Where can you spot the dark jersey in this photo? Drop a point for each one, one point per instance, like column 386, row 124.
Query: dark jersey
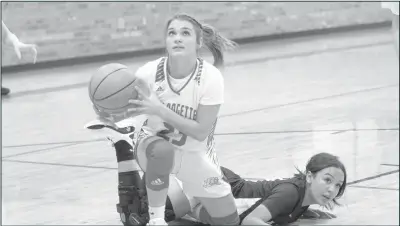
column 283, row 198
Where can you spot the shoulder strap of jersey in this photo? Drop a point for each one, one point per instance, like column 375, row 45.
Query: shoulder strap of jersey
column 199, row 71
column 160, row 75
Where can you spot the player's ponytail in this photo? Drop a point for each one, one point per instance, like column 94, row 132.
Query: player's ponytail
column 216, row 43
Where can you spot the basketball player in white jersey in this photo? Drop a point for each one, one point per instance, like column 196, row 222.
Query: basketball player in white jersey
column 182, row 103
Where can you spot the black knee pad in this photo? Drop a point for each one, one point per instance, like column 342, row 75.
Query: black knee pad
column 132, row 205
column 124, row 151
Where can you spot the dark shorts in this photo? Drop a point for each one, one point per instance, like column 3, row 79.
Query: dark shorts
column 234, row 180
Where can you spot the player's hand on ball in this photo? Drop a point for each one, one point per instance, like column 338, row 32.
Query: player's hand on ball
column 104, row 117
column 147, row 102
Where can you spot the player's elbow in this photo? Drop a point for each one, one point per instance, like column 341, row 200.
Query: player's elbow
column 200, row 135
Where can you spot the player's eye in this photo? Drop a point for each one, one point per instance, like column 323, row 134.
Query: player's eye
column 186, row 33
column 328, row 180
column 170, row 33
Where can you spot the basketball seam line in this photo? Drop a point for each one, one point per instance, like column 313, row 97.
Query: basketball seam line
column 105, row 77
column 113, row 108
column 117, row 91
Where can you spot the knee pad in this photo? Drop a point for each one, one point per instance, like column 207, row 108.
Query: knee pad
column 132, row 205
column 124, row 151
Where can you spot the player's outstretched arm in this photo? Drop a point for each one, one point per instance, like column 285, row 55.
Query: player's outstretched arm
column 242, row 188
column 9, row 37
column 282, row 200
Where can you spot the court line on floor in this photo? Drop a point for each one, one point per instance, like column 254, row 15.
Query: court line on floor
column 387, row 164
column 39, row 150
column 373, row 177
column 228, row 64
column 216, row 134
column 304, row 131
column 309, row 100
column 51, row 143
column 114, row 168
column 298, row 102
column 374, row 188
column 60, row 164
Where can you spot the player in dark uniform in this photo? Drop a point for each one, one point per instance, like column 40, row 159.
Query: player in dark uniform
column 283, row 201
column 279, row 201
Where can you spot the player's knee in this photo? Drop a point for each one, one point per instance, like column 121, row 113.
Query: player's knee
column 160, row 157
column 229, row 219
column 123, row 151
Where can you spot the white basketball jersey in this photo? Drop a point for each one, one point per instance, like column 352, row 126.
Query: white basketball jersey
column 183, row 96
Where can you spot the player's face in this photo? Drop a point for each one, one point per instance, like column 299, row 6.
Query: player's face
column 181, row 39
column 325, row 184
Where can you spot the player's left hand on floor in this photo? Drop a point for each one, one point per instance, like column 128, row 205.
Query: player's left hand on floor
column 317, row 214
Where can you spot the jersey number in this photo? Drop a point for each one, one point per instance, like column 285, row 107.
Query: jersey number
column 171, row 129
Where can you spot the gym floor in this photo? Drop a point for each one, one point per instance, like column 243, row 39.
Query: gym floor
column 285, row 101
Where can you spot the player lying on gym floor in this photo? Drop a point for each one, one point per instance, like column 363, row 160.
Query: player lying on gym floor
column 260, row 202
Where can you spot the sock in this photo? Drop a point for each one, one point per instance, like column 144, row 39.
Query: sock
column 156, row 212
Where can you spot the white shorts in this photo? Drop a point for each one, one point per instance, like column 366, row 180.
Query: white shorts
column 178, row 197
column 199, row 176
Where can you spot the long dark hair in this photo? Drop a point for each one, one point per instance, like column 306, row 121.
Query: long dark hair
column 322, row 161
column 213, row 40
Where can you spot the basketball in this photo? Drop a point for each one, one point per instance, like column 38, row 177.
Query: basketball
column 111, row 87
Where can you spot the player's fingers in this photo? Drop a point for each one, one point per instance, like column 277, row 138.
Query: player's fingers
column 136, row 102
column 17, row 52
column 141, row 93
column 137, row 110
column 95, row 108
column 34, row 50
column 103, row 114
column 331, row 215
column 310, row 214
